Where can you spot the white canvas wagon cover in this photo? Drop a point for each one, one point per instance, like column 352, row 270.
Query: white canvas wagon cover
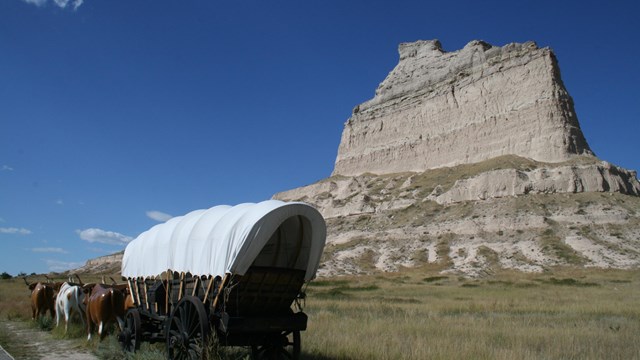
column 229, row 239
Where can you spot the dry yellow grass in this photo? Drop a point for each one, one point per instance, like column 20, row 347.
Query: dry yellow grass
column 584, row 314
column 421, row 314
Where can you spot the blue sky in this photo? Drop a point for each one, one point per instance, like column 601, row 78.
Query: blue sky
column 116, row 114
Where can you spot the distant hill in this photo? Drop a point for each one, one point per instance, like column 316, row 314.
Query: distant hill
column 108, row 264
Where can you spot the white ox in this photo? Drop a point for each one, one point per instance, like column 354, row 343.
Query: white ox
column 70, row 298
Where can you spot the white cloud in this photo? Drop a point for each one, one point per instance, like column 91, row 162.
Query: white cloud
column 6, row 168
column 60, row 3
column 59, row 202
column 12, row 230
column 49, row 250
column 158, row 216
column 36, row 2
column 94, row 235
column 59, row 266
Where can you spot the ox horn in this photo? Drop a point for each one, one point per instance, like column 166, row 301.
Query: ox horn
column 25, row 281
column 102, row 279
column 78, row 277
column 113, row 281
column 48, row 278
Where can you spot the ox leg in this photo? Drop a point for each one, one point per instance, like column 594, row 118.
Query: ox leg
column 58, row 314
column 89, row 325
column 67, row 316
column 101, row 331
column 79, row 311
column 33, row 312
column 120, row 323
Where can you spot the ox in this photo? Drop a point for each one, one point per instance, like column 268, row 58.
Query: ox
column 42, row 298
column 128, row 297
column 104, row 305
column 70, row 299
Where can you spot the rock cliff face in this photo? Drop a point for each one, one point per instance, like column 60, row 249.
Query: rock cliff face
column 601, row 177
column 108, row 264
column 473, row 161
column 440, row 108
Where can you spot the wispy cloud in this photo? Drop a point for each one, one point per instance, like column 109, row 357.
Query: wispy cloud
column 49, row 250
column 58, row 266
column 158, row 215
column 94, row 235
column 6, row 168
column 60, row 3
column 12, row 230
column 59, row 202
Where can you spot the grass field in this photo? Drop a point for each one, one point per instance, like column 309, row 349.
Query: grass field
column 420, row 314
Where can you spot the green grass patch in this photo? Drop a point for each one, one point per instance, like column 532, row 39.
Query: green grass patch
column 567, row 282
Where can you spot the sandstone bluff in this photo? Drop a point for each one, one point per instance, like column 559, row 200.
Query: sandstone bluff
column 440, row 108
column 473, row 161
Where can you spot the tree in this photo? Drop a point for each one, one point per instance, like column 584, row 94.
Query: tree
column 5, row 275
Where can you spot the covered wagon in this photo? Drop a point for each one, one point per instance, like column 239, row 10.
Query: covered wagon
column 229, row 274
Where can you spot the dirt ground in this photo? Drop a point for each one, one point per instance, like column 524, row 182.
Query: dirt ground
column 34, row 344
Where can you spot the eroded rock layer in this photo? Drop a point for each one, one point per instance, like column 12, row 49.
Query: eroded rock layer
column 440, row 108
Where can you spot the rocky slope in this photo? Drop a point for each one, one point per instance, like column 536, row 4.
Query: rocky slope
column 438, row 108
column 477, row 218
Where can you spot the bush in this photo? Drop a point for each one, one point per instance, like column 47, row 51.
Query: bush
column 5, row 276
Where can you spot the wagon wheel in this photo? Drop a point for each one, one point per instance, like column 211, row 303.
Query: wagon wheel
column 131, row 335
column 276, row 347
column 187, row 330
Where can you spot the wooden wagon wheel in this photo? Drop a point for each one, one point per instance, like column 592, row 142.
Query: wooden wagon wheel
column 187, row 330
column 276, row 347
column 131, row 336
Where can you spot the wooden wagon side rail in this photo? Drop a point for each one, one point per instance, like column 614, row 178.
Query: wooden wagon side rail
column 262, row 290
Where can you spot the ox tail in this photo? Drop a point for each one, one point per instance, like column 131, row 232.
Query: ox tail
column 79, row 302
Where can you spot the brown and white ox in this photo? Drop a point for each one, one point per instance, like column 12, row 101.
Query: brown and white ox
column 104, row 305
column 70, row 299
column 43, row 298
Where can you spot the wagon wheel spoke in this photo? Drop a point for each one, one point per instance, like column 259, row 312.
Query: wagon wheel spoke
column 188, row 328
column 131, row 335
